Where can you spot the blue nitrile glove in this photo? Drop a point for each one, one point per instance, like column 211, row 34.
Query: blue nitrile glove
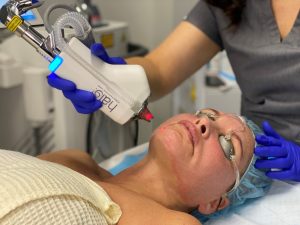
column 278, row 154
column 98, row 50
column 84, row 101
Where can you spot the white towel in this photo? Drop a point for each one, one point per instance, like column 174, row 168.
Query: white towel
column 34, row 191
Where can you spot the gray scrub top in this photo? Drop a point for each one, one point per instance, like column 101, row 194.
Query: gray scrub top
column 266, row 68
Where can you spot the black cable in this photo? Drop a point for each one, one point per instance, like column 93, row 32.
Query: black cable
column 89, row 134
column 133, row 50
column 37, row 138
column 136, row 138
column 89, row 146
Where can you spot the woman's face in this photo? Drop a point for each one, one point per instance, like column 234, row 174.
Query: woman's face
column 188, row 147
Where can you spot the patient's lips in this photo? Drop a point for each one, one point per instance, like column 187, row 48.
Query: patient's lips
column 192, row 131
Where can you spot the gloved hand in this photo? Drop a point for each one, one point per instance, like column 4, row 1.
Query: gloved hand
column 278, row 154
column 84, row 101
column 97, row 49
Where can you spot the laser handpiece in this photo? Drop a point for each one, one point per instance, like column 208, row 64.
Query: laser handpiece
column 123, row 89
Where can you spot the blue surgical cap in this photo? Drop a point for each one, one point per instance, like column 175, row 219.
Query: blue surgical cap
column 254, row 184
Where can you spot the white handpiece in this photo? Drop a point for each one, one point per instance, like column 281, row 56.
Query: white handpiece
column 122, row 89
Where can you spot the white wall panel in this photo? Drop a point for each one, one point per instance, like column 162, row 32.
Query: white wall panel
column 149, row 20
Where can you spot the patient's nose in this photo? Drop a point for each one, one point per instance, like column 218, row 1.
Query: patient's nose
column 204, row 126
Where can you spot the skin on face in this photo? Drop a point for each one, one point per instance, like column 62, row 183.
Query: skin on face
column 189, row 148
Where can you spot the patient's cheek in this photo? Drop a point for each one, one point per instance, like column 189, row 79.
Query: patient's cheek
column 169, row 137
column 170, row 141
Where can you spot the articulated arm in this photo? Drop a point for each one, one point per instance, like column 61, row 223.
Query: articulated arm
column 10, row 16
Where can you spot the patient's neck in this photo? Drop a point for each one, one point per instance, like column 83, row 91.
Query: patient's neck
column 148, row 179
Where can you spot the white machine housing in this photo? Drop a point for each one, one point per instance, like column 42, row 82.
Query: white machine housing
column 113, row 35
column 122, row 89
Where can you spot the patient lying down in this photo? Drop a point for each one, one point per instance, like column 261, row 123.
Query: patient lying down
column 201, row 163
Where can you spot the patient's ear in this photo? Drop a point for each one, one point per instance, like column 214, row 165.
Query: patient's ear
column 213, row 206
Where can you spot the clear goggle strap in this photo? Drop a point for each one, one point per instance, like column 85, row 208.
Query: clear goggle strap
column 237, row 176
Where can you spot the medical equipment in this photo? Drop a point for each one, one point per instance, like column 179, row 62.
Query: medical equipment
column 10, row 69
column 16, row 131
column 30, row 15
column 123, row 89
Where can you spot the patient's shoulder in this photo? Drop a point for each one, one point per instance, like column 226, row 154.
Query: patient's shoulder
column 77, row 160
column 180, row 218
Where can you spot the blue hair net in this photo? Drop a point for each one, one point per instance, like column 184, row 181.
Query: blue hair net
column 254, row 184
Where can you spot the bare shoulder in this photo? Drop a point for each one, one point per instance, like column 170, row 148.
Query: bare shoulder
column 180, row 218
column 77, row 160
